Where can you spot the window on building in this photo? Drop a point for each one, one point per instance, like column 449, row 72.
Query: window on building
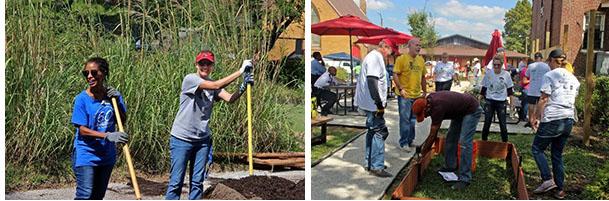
column 299, row 48
column 599, row 30
column 316, row 40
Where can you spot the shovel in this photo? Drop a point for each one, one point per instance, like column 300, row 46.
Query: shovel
column 136, row 187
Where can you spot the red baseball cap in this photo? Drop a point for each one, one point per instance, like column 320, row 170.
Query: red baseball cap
column 394, row 47
column 418, row 108
column 205, row 54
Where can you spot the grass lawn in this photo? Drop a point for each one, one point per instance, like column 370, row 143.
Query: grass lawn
column 490, row 181
column 336, row 137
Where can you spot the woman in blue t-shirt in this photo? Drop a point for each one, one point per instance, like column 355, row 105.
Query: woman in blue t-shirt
column 94, row 151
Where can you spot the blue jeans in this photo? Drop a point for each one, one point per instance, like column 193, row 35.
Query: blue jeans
column 182, row 152
column 407, row 120
column 375, row 141
column 461, row 132
column 92, row 181
column 553, row 133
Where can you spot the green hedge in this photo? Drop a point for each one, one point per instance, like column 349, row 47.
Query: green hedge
column 600, row 102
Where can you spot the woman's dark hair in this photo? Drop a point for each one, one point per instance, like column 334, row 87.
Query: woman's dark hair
column 101, row 63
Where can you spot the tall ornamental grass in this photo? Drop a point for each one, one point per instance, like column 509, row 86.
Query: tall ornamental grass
column 48, row 41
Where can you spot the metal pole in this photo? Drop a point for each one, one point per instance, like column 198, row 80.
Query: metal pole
column 351, row 54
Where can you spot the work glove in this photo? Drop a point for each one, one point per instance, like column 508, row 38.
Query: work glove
column 380, row 110
column 112, row 92
column 117, row 137
column 248, row 78
column 246, row 66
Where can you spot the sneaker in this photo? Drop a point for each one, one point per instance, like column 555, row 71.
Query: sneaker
column 545, row 186
column 380, row 173
column 460, row 185
column 560, row 195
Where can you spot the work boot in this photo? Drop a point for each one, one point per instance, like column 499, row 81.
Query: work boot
column 460, row 185
column 560, row 195
column 380, row 173
column 545, row 186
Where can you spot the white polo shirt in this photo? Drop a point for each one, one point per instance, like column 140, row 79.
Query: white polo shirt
column 325, row 80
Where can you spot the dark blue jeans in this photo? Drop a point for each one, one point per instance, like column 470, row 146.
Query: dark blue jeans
column 375, row 141
column 183, row 152
column 554, row 133
column 92, row 181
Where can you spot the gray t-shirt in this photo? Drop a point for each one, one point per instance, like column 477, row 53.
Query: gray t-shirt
column 373, row 65
column 535, row 74
column 191, row 122
column 562, row 87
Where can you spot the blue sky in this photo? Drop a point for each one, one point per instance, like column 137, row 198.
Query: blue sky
column 475, row 18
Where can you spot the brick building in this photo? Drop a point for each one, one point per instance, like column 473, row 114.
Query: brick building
column 563, row 23
column 322, row 10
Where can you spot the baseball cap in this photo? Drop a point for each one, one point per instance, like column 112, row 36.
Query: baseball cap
column 538, row 55
column 205, row 54
column 394, row 48
column 556, row 53
column 476, row 59
column 418, row 108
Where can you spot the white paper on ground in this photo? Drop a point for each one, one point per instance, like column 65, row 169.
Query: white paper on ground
column 449, row 176
column 422, row 129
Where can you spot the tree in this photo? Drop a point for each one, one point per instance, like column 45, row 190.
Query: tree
column 422, row 27
column 517, row 26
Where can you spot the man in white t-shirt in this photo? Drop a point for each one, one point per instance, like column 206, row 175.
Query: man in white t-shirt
column 476, row 69
column 371, row 98
column 320, row 90
column 535, row 74
column 443, row 74
column 497, row 85
column 554, row 122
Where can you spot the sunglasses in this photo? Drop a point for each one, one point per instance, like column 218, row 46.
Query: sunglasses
column 93, row 73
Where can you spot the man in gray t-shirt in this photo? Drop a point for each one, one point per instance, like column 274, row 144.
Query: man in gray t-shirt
column 190, row 140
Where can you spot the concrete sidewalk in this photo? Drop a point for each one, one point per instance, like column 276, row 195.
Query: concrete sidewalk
column 342, row 175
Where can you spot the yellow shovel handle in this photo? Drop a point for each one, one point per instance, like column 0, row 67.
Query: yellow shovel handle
column 249, row 129
column 136, row 187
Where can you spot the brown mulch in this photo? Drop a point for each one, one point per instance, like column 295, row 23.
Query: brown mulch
column 259, row 187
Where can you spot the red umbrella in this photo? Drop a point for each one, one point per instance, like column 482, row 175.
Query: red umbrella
column 349, row 25
column 492, row 48
column 399, row 38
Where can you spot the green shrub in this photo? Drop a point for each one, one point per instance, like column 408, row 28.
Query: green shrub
column 293, row 72
column 600, row 100
column 599, row 189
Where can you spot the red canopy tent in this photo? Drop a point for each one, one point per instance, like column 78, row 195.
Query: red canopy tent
column 352, row 26
column 496, row 43
column 399, row 38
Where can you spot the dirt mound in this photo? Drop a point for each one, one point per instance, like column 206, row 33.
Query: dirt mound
column 259, row 187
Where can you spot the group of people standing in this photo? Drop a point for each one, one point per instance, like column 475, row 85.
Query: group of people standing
column 550, row 89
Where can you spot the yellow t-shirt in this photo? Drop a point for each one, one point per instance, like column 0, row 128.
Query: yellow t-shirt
column 410, row 70
column 569, row 67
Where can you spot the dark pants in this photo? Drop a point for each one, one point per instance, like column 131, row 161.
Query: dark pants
column 314, row 79
column 92, row 181
column 524, row 107
column 554, row 133
column 444, row 86
column 325, row 95
column 493, row 107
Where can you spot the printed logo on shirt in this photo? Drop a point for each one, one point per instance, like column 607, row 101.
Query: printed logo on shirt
column 103, row 116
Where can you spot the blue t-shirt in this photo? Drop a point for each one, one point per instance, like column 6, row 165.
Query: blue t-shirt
column 97, row 115
column 317, row 68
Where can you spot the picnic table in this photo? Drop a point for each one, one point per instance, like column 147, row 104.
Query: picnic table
column 320, row 121
column 346, row 89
